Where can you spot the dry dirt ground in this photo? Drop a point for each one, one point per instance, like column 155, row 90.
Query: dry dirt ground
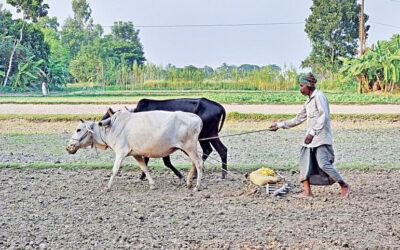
column 61, row 208
column 65, row 208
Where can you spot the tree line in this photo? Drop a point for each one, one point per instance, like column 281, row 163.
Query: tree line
column 36, row 48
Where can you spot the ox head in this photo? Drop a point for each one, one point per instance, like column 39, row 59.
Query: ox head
column 82, row 137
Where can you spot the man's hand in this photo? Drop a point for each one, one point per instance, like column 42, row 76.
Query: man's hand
column 308, row 139
column 273, row 127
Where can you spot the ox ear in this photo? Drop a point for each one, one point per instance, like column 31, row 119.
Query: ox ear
column 90, row 127
column 81, row 120
column 105, row 122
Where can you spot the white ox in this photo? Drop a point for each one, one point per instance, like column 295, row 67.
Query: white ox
column 151, row 134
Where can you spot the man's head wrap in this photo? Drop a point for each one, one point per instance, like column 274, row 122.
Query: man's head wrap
column 308, row 79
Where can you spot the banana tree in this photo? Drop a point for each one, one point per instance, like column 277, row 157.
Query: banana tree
column 390, row 65
column 378, row 68
column 27, row 72
column 358, row 68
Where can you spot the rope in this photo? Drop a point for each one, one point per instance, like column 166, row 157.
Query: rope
column 254, row 131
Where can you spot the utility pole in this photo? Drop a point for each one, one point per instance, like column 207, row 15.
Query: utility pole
column 361, row 31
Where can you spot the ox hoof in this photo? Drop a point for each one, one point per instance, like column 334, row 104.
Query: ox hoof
column 152, row 187
column 138, row 180
column 105, row 190
column 197, row 188
column 180, row 183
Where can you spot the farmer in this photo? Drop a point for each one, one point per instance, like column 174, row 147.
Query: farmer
column 317, row 156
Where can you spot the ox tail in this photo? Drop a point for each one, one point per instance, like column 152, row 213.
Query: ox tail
column 222, row 119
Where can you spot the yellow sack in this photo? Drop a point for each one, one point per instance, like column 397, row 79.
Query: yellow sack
column 263, row 176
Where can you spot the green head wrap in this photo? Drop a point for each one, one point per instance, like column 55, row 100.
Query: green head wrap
column 308, row 79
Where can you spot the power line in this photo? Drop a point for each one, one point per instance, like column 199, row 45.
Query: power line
column 228, row 25
column 212, row 25
column 217, row 25
column 388, row 25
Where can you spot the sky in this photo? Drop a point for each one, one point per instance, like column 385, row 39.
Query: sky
column 280, row 44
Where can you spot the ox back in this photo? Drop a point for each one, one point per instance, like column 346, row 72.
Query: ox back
column 210, row 112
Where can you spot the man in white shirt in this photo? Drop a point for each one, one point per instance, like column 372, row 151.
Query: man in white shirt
column 317, row 155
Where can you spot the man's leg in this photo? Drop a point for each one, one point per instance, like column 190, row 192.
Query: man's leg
column 307, row 190
column 305, row 158
column 325, row 157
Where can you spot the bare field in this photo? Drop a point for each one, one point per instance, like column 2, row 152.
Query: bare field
column 22, row 126
column 44, row 143
column 64, row 208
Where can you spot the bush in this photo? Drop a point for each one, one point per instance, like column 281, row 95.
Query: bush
column 339, row 84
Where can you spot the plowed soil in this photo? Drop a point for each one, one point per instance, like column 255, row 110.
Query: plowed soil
column 65, row 208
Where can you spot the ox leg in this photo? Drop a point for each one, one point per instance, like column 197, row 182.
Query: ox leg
column 223, row 153
column 117, row 165
column 207, row 150
column 190, row 176
column 167, row 162
column 143, row 175
column 146, row 170
column 197, row 164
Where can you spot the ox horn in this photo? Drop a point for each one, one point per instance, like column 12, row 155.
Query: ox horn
column 105, row 122
column 110, row 111
column 126, row 108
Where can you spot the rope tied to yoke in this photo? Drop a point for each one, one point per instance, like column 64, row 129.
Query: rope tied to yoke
column 216, row 137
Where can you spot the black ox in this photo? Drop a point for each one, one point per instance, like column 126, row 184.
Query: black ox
column 211, row 113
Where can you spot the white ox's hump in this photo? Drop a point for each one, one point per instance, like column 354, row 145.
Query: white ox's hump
column 189, row 118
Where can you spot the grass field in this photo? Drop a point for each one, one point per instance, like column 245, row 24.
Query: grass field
column 359, row 144
column 240, row 97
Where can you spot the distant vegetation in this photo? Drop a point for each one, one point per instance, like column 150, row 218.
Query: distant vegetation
column 226, row 77
column 239, row 97
column 79, row 52
column 378, row 69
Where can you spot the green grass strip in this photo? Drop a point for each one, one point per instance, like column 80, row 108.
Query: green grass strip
column 248, row 97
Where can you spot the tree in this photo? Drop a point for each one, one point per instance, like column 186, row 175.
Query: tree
column 32, row 44
column 6, row 21
column 332, row 28
column 48, row 23
column 79, row 30
column 127, row 43
column 27, row 71
column 31, row 10
column 378, row 68
column 33, row 40
column 57, row 67
column 89, row 60
column 6, row 44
